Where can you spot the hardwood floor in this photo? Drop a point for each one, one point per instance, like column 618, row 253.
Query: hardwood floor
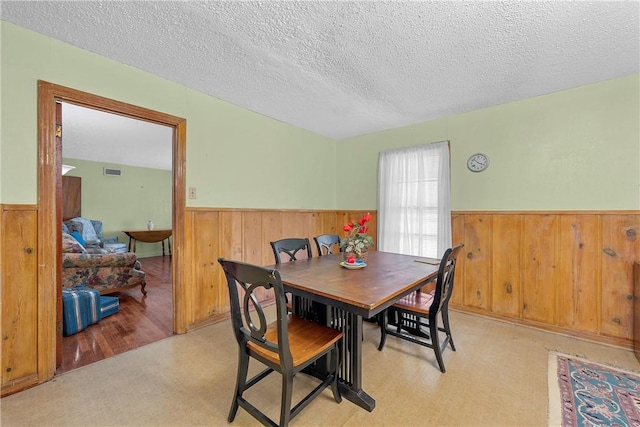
column 140, row 321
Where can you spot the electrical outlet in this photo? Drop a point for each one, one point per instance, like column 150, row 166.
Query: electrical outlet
column 192, row 192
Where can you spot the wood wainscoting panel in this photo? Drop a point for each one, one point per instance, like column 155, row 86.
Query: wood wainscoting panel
column 573, row 269
column 251, row 233
column 505, row 273
column 477, row 266
column 620, row 249
column 323, row 223
column 189, row 270
column 272, row 230
column 579, row 273
column 565, row 271
column 636, row 309
column 231, row 232
column 206, row 253
column 457, row 237
column 296, row 224
column 245, row 235
column 539, row 267
column 19, row 278
column 560, row 282
column 568, row 272
column 231, row 244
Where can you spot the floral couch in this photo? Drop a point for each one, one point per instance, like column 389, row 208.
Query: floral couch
column 89, row 230
column 106, row 272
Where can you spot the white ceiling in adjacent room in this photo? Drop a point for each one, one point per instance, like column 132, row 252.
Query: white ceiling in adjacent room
column 109, row 138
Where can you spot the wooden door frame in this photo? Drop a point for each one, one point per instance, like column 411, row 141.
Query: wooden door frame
column 50, row 214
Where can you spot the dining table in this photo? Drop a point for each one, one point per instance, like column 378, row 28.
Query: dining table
column 327, row 290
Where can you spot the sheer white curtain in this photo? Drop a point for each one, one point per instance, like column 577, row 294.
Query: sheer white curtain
column 414, row 200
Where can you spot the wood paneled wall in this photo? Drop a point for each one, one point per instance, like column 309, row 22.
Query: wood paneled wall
column 569, row 272
column 19, row 292
column 244, row 235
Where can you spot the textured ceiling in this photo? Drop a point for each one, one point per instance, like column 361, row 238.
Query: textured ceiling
column 346, row 68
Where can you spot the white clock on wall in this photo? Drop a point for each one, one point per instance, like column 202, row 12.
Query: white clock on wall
column 478, row 162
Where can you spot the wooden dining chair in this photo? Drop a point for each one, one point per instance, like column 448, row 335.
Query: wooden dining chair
column 291, row 247
column 286, row 250
column 287, row 345
column 326, row 243
column 420, row 310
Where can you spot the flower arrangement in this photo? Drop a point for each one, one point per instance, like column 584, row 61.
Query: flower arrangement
column 357, row 242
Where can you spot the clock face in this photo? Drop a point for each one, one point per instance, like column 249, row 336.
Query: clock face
column 478, row 162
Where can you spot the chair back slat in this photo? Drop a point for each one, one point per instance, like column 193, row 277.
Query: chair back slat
column 291, row 247
column 325, row 243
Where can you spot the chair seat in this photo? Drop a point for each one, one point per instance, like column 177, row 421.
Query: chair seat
column 306, row 340
column 418, row 302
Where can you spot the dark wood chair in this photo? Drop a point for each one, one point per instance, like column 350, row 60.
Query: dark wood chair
column 291, row 247
column 419, row 310
column 287, row 346
column 326, row 243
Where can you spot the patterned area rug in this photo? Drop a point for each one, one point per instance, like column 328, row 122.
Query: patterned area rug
column 583, row 393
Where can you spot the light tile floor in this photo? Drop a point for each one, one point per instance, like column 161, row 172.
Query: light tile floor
column 498, row 377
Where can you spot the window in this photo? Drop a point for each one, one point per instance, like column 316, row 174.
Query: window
column 414, row 200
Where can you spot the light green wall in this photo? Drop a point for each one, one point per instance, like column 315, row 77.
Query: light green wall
column 235, row 157
column 125, row 202
column 577, row 149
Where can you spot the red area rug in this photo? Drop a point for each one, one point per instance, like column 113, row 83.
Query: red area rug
column 584, row 393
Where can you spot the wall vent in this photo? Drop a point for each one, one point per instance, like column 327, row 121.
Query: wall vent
column 112, row 172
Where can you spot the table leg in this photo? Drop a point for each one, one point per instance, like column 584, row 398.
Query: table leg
column 169, row 244
column 350, row 377
column 129, row 249
column 163, row 248
column 350, row 374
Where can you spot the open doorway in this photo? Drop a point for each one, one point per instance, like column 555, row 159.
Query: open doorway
column 117, row 173
column 50, row 211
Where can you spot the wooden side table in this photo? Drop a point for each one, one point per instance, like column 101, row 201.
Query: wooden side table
column 149, row 236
